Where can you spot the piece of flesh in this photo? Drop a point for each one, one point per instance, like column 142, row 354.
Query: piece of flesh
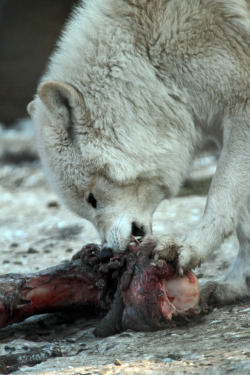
column 157, row 294
column 67, row 286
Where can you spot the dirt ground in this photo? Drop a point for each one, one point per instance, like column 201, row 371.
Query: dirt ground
column 36, row 232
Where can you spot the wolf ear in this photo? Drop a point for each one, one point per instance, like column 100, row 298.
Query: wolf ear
column 61, row 100
column 30, row 108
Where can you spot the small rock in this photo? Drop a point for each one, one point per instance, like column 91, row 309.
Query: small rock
column 71, row 340
column 117, row 362
column 14, row 244
column 166, row 360
column 52, row 204
column 32, row 250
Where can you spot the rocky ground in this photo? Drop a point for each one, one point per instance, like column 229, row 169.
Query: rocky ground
column 36, row 232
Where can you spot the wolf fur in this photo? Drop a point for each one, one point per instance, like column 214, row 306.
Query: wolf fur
column 130, row 93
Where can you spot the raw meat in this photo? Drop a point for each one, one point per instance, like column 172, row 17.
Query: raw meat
column 138, row 293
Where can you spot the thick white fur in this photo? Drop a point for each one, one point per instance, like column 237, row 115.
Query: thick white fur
column 130, row 93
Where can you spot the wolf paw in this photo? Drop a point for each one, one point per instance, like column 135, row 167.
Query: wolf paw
column 221, row 293
column 173, row 250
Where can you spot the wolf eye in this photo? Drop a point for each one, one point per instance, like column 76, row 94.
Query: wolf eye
column 91, row 200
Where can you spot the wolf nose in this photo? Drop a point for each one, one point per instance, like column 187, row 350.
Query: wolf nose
column 138, row 230
column 106, row 254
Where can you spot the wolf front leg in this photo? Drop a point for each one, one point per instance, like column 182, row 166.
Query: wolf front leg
column 228, row 193
column 236, row 283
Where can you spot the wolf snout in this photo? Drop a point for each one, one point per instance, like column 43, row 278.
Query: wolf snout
column 118, row 241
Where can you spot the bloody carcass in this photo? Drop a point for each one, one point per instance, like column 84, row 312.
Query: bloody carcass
column 137, row 292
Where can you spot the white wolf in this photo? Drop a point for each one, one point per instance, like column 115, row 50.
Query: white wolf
column 131, row 91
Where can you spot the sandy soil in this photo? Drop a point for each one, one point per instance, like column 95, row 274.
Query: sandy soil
column 36, row 232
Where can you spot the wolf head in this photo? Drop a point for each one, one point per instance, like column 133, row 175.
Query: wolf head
column 109, row 168
column 115, row 139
